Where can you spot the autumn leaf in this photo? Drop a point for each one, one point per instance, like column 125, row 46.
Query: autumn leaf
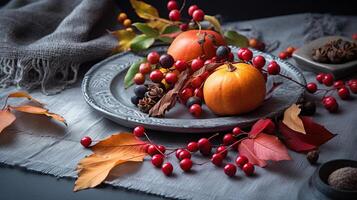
column 246, row 148
column 22, row 94
column 6, row 119
column 262, row 125
column 159, row 24
column 39, row 111
column 124, row 37
column 292, row 119
column 293, row 139
column 214, row 21
column 108, row 153
column 144, row 10
column 269, row 147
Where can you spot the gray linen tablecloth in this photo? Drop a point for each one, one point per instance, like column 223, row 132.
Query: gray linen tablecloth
column 50, row 148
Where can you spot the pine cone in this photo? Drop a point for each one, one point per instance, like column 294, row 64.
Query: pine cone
column 145, row 104
column 155, row 92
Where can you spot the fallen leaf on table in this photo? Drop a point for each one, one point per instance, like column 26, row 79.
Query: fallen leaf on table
column 108, row 153
column 22, row 94
column 292, row 119
column 262, row 125
column 38, row 111
column 246, row 148
column 6, row 119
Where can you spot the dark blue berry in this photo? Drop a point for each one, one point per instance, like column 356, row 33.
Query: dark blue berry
column 135, row 100
column 222, row 52
column 193, row 100
column 140, row 91
column 166, row 61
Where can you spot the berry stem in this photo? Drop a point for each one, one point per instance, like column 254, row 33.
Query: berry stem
column 289, row 78
column 183, row 5
column 147, row 137
column 216, row 134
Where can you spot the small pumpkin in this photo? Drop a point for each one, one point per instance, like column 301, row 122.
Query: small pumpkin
column 234, row 89
column 186, row 45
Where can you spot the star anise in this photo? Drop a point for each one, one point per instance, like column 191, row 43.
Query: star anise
column 145, row 104
column 335, row 51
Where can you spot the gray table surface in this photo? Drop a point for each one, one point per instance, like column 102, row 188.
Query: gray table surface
column 278, row 181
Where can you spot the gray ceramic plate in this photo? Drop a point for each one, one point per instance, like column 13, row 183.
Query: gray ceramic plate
column 104, row 91
column 304, row 60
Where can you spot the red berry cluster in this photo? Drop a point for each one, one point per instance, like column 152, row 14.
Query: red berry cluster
column 287, row 53
column 193, row 11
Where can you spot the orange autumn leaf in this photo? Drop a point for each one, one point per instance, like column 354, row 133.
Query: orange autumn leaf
column 38, row 111
column 108, row 153
column 22, row 94
column 292, row 119
column 6, row 119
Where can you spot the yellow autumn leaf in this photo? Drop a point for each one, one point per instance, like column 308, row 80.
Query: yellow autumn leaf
column 158, row 24
column 214, row 21
column 6, row 119
column 292, row 119
column 124, row 37
column 108, row 153
column 144, row 10
column 22, row 94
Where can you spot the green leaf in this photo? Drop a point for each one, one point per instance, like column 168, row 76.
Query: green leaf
column 141, row 42
column 214, row 21
column 236, row 39
column 171, row 29
column 133, row 69
column 165, row 39
column 146, row 29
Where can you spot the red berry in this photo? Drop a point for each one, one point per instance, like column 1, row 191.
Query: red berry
column 273, row 68
column 192, row 146
column 186, row 94
column 152, row 150
column 230, row 169
column 283, row 55
column 197, row 64
column 259, row 62
column 157, row 160
column 217, row 159
column 245, row 54
column 167, row 169
column 204, row 146
column 222, row 150
column 205, row 75
column 353, row 87
column 311, row 87
column 241, row 161
column 191, row 9
column 184, row 154
column 231, row 57
column 198, row 93
column 327, row 80
column 183, row 27
column 153, row 57
column 228, row 139
column 344, row 93
column 209, row 61
column 330, row 103
column 180, row 65
column 139, row 131
column 161, row 148
column 174, row 15
column 86, row 141
column 177, row 153
column 320, row 77
column 354, row 36
column 156, row 76
column 198, row 15
column 248, row 169
column 172, row 5
column 197, row 82
column 236, row 131
column 171, row 78
column 186, row 164
column 145, row 68
column 139, row 79
column 352, row 81
column 338, row 84
column 196, row 110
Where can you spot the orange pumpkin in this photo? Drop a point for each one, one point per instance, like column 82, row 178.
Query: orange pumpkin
column 234, row 89
column 186, row 45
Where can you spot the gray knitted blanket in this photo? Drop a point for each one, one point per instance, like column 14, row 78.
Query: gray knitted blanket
column 43, row 42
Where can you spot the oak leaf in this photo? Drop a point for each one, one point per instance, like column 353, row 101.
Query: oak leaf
column 108, row 153
column 292, row 119
column 6, row 119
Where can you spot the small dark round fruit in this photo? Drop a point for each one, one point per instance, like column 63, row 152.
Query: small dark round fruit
column 196, row 110
column 161, row 148
column 171, row 78
column 236, row 131
column 139, row 131
column 338, row 84
column 308, row 108
column 222, row 52
column 186, row 164
column 217, row 159
column 193, row 100
column 328, row 80
column 166, row 61
column 343, row 93
column 181, row 65
column 311, row 87
column 167, row 169
column 184, row 154
column 330, row 103
column 145, row 68
column 198, row 15
column 156, row 76
column 140, row 91
column 259, row 62
column 177, row 153
column 273, row 68
column 230, row 170
column 320, row 77
column 157, row 160
column 153, row 57
column 86, row 141
column 134, row 100
column 191, row 9
column 197, row 64
column 139, row 79
column 172, row 5
column 241, row 161
column 222, row 150
column 283, row 55
column 186, row 94
column 205, row 146
column 174, row 15
column 248, row 169
column 197, row 82
column 192, row 146
column 183, row 27
column 228, row 139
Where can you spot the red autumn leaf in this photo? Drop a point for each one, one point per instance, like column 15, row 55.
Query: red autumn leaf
column 293, row 139
column 262, row 125
column 246, row 148
column 316, row 134
column 269, row 147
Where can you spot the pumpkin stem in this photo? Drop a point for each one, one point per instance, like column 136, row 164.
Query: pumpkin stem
column 231, row 68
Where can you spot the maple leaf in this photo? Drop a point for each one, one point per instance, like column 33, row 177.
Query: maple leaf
column 262, row 125
column 6, row 119
column 124, row 37
column 292, row 119
column 108, row 153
